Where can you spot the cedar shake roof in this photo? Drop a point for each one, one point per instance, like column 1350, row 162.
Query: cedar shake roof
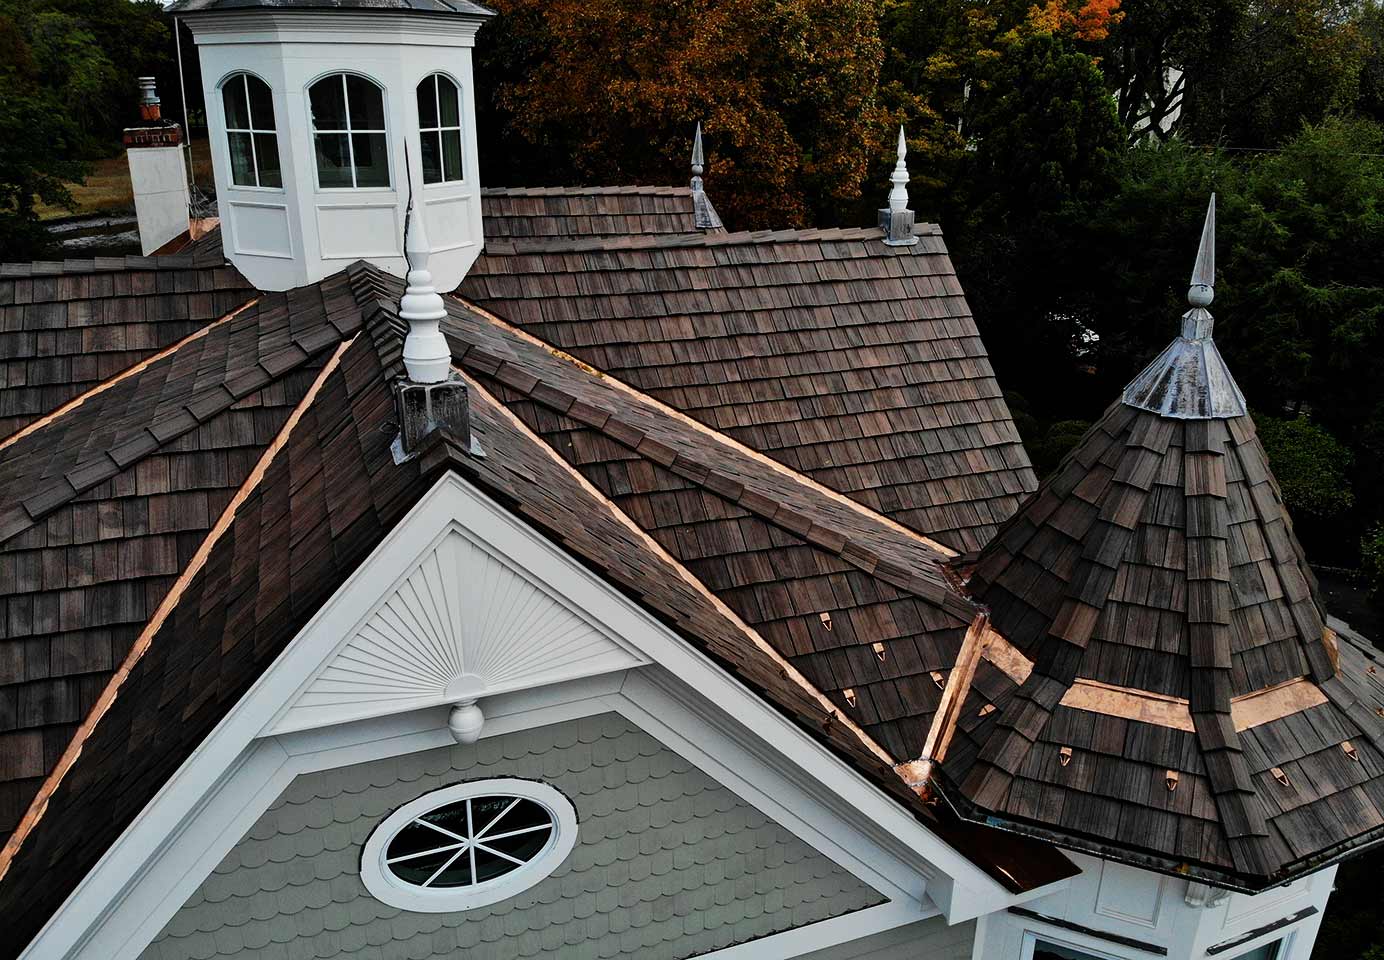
column 103, row 505
column 67, row 326
column 330, row 493
column 1179, row 658
column 854, row 363
column 556, row 213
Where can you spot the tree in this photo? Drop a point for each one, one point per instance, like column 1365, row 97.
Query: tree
column 37, row 146
column 1246, row 73
column 787, row 92
column 1310, row 465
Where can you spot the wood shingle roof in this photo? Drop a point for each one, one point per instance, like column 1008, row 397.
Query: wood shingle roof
column 103, row 505
column 67, row 326
column 556, row 213
column 310, row 509
column 856, row 364
column 1185, row 704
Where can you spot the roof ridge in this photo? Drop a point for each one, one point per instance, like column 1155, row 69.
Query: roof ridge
column 788, row 669
column 669, row 190
column 825, row 536
column 709, row 239
column 129, row 371
column 25, row 269
column 199, row 405
column 137, row 650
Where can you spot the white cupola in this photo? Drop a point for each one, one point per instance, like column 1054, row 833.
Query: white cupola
column 327, row 118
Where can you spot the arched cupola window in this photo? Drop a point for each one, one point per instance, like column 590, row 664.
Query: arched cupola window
column 439, row 128
column 348, row 132
column 250, row 131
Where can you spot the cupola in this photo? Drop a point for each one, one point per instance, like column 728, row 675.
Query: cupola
column 327, row 118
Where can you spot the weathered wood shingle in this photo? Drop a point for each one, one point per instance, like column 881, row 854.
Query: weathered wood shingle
column 537, row 213
column 67, row 326
column 856, row 364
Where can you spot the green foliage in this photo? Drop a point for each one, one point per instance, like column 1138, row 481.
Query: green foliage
column 1310, row 465
column 1372, row 560
column 37, row 143
column 1058, row 440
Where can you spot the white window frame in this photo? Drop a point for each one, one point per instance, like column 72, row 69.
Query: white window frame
column 349, row 132
column 1031, row 938
column 251, row 130
column 388, row 888
column 440, row 129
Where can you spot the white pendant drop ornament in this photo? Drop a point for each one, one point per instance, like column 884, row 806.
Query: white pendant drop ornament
column 465, row 721
column 426, row 354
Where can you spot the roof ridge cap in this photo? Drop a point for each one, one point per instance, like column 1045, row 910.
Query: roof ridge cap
column 716, row 238
column 151, row 627
column 834, row 714
column 823, row 536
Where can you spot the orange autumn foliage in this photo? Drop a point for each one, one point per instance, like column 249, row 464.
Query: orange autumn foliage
column 786, row 90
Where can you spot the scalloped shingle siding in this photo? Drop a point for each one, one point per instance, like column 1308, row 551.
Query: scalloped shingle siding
column 669, row 863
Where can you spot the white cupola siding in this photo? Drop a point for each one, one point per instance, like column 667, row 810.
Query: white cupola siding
column 322, row 119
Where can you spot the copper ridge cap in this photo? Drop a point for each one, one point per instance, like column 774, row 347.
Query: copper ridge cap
column 1189, row 380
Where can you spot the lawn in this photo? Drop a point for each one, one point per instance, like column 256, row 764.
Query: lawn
column 107, row 187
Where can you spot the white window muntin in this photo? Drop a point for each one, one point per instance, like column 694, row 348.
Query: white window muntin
column 445, row 132
column 257, row 135
column 387, row 887
column 350, row 132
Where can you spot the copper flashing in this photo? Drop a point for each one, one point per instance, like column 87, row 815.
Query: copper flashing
column 1275, row 703
column 112, row 689
column 1130, row 704
column 918, row 773
column 1004, row 655
column 125, row 374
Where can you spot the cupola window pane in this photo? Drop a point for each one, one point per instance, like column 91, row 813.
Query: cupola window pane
column 439, row 128
column 248, row 105
column 349, row 132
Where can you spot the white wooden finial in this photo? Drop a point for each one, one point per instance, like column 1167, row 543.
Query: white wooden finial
column 898, row 193
column 1202, row 289
column 426, row 354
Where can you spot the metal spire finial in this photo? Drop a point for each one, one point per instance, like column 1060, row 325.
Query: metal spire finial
column 1189, row 380
column 704, row 214
column 1203, row 285
column 896, row 220
column 426, row 354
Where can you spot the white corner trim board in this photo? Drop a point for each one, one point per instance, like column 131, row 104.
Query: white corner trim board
column 729, row 731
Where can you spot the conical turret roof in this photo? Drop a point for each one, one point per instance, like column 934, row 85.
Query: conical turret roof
column 1177, row 698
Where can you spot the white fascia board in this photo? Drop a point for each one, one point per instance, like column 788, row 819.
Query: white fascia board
column 110, row 899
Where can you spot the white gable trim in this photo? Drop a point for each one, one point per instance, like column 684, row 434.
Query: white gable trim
column 149, row 871
column 459, row 621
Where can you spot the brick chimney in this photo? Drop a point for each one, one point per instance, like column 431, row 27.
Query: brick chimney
column 157, row 173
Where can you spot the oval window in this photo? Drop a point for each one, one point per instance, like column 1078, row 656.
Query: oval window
column 468, row 845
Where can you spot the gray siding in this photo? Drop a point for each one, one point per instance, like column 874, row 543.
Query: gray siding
column 668, row 863
column 925, row 940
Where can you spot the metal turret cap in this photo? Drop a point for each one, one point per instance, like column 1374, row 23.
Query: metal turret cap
column 1190, row 380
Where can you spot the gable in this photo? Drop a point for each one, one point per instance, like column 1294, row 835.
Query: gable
column 669, row 863
column 463, row 622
